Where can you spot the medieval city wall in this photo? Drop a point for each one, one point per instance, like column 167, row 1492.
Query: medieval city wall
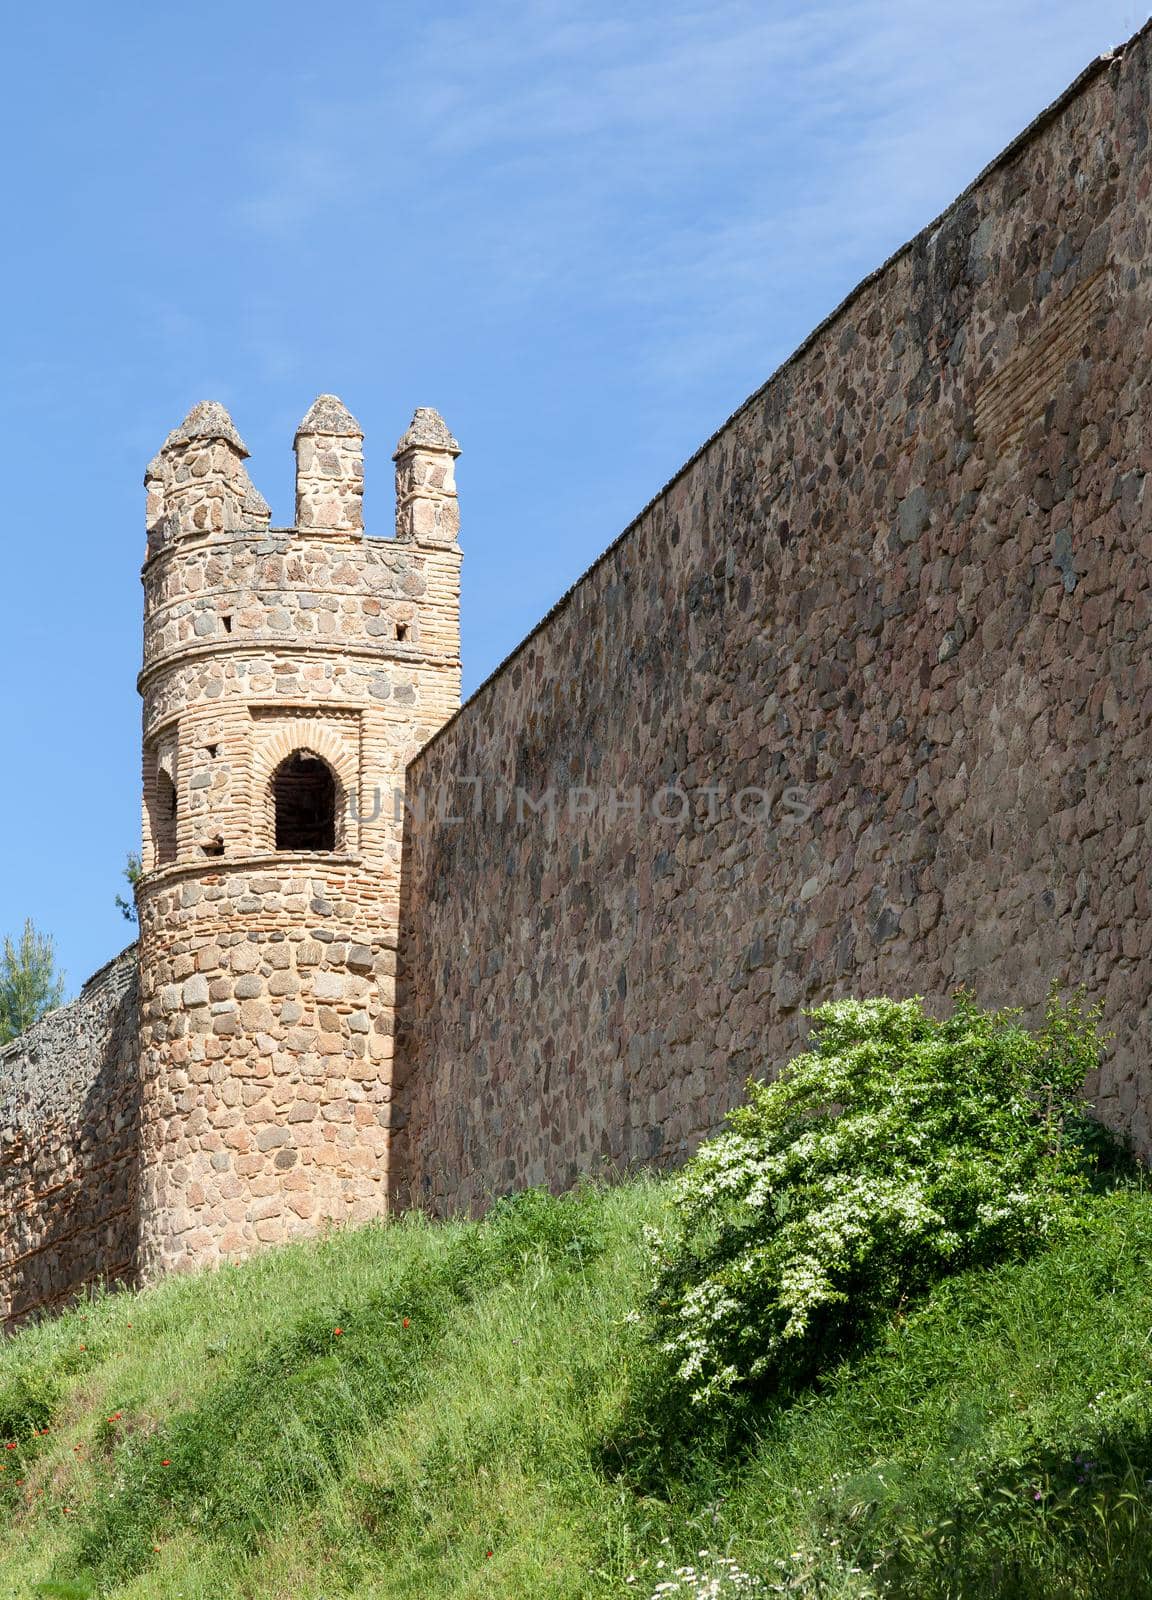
column 859, row 704
column 268, row 964
column 69, row 1148
column 887, row 634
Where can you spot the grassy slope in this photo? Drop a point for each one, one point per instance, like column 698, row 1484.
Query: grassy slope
column 216, row 1437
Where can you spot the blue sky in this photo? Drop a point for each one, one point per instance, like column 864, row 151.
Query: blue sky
column 584, row 230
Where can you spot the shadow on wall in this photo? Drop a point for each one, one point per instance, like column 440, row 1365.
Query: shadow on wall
column 69, row 1148
column 402, row 1195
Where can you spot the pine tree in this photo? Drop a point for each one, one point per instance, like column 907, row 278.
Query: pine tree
column 132, row 871
column 29, row 982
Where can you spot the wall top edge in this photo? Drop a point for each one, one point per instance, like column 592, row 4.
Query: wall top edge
column 1028, row 135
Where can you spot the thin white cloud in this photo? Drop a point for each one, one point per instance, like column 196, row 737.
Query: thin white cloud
column 676, row 161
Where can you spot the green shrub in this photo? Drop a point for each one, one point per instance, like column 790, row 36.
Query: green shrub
column 992, row 1442
column 895, row 1151
column 28, row 1401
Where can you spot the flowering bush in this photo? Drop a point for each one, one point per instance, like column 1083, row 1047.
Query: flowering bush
column 896, row 1150
column 720, row 1578
column 804, row 1575
column 725, row 1581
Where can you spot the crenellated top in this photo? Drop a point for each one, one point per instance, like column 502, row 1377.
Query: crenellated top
column 329, row 414
column 426, row 431
column 329, row 469
column 427, row 510
column 198, row 486
column 207, row 420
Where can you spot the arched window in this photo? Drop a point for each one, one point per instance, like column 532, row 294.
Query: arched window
column 164, row 821
column 304, row 798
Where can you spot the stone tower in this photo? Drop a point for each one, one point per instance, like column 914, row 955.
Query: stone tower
column 289, row 676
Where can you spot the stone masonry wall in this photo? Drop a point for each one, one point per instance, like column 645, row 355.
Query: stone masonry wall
column 69, row 1148
column 905, row 592
column 268, row 971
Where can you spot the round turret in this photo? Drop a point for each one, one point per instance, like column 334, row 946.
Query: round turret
column 289, row 675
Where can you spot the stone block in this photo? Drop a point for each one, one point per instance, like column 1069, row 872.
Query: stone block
column 195, row 991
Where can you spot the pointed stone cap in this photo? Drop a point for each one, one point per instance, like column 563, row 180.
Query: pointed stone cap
column 427, row 431
column 254, row 502
column 208, row 420
column 329, row 414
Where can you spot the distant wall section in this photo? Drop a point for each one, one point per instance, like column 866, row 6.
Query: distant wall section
column 69, row 1148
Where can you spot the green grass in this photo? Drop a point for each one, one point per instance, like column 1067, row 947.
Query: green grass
column 469, row 1432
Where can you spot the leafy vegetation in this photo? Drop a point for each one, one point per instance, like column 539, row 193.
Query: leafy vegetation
column 468, row 1411
column 897, row 1150
column 133, row 871
column 29, row 982
column 215, row 1438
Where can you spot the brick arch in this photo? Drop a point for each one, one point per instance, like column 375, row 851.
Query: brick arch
column 304, row 734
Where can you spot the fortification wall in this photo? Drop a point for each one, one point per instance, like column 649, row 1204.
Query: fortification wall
column 268, row 951
column 905, row 592
column 69, row 1148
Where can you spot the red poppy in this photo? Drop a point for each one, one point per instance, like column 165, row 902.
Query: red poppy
column 487, row 1553
column 165, row 1463
column 337, row 1331
column 405, row 1321
column 9, row 1447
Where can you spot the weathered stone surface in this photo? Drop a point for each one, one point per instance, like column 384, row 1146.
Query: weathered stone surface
column 207, row 420
column 426, row 431
column 70, row 1148
column 904, row 593
column 860, row 703
column 329, row 414
column 329, row 469
column 426, row 506
column 259, row 647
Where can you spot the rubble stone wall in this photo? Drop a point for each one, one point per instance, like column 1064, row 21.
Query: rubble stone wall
column 69, row 1148
column 268, row 967
column 904, row 593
